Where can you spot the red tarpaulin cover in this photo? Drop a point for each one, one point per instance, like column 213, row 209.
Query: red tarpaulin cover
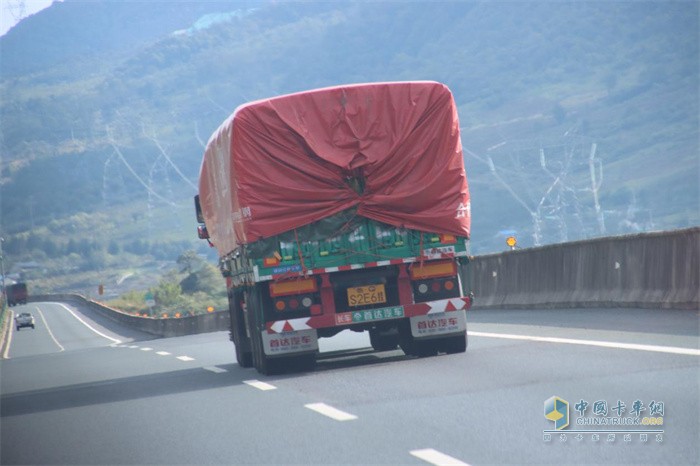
column 281, row 163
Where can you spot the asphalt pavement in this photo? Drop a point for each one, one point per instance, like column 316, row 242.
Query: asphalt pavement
column 80, row 390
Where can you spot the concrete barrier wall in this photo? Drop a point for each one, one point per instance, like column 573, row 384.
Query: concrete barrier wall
column 651, row 270
column 210, row 322
column 655, row 270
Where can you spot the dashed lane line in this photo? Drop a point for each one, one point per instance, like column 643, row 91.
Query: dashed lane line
column 602, row 344
column 185, row 358
column 162, row 353
column 214, row 369
column 46, row 324
column 259, row 385
column 435, row 457
column 330, row 412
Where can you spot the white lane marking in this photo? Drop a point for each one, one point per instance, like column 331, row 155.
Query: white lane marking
column 10, row 330
column 435, row 457
column 163, row 353
column 132, row 346
column 88, row 325
column 185, row 358
column 259, row 385
column 603, row 344
column 214, row 369
column 46, row 324
column 146, row 349
column 330, row 411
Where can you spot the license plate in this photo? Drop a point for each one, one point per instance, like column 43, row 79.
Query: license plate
column 366, row 295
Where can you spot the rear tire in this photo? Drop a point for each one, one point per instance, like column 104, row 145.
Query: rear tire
column 414, row 347
column 244, row 356
column 454, row 345
column 263, row 364
column 383, row 342
column 303, row 363
column 426, row 349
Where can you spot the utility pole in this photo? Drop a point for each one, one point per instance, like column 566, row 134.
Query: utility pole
column 2, row 271
column 596, row 182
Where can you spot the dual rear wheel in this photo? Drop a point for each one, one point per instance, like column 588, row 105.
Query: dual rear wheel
column 263, row 363
column 429, row 347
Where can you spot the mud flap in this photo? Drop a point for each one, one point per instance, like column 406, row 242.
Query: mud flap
column 439, row 324
column 290, row 343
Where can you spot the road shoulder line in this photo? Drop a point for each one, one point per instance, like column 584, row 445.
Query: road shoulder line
column 114, row 340
column 7, row 334
column 602, row 344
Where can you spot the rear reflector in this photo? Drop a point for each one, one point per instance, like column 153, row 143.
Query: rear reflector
column 448, row 239
column 271, row 261
column 307, row 285
column 433, row 269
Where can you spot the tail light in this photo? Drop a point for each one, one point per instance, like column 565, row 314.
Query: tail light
column 433, row 269
column 292, row 287
column 294, row 295
column 434, row 280
column 294, row 303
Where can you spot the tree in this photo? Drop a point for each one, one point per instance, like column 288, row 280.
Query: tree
column 167, row 293
column 190, row 262
column 206, row 279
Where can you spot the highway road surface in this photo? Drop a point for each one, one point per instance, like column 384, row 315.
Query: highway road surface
column 82, row 390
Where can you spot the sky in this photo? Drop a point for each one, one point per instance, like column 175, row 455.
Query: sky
column 11, row 11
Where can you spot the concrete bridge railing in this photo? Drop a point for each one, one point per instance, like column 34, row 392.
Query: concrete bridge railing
column 652, row 270
column 172, row 327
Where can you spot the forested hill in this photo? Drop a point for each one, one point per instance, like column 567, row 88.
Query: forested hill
column 106, row 106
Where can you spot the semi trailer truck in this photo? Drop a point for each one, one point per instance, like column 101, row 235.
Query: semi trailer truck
column 342, row 208
column 16, row 294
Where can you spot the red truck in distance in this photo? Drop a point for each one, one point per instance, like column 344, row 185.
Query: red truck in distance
column 16, row 294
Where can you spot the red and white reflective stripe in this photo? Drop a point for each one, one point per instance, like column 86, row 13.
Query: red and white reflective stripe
column 344, row 268
column 436, row 307
column 408, row 310
column 290, row 325
column 447, row 305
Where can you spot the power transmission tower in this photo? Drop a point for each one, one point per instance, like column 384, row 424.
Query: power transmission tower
column 548, row 179
column 17, row 9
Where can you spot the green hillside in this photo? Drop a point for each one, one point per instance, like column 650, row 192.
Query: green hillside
column 103, row 127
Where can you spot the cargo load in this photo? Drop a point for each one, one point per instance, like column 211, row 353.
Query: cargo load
column 336, row 208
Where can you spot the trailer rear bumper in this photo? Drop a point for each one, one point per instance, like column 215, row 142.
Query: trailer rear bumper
column 434, row 319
